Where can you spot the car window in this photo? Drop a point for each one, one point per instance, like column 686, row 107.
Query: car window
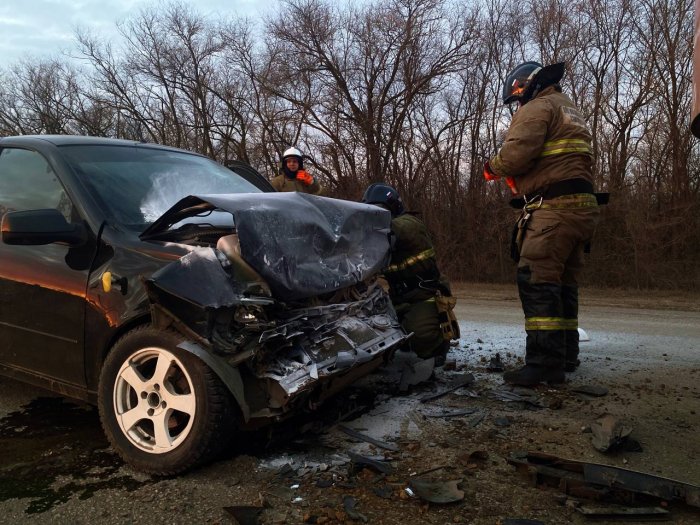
column 135, row 185
column 27, row 182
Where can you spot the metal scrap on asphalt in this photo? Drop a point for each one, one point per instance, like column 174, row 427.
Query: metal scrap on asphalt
column 458, row 382
column 376, row 464
column 601, row 482
column 510, row 396
column 362, row 437
column 617, row 512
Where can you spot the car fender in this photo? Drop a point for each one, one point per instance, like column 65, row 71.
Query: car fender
column 229, row 375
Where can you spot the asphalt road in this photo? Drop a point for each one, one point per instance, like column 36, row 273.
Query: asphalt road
column 624, row 337
column 62, row 470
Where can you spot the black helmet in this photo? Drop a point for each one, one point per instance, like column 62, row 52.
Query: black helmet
column 528, row 79
column 380, row 193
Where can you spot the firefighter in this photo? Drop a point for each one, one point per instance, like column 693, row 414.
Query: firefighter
column 293, row 177
column 421, row 296
column 547, row 158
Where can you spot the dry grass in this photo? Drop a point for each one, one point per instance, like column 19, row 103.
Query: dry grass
column 645, row 299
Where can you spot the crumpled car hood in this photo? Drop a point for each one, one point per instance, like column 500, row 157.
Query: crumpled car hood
column 302, row 245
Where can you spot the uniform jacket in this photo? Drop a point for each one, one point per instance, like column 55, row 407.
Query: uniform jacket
column 548, row 141
column 283, row 183
column 412, row 257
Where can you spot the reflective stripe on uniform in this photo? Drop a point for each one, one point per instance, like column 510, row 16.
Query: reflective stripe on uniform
column 559, row 147
column 576, row 200
column 409, row 261
column 550, row 323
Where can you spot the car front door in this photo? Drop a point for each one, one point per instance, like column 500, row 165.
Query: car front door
column 42, row 288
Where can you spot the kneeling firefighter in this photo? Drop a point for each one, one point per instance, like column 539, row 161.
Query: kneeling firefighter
column 421, row 296
column 547, row 158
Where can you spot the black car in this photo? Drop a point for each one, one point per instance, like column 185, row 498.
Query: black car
column 179, row 295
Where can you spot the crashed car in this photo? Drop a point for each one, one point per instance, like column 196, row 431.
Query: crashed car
column 182, row 297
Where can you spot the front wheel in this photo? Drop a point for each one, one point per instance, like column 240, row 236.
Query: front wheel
column 162, row 408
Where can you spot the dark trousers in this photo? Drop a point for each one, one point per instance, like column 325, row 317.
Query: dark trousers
column 551, row 258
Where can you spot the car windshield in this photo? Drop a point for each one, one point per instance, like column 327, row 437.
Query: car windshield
column 136, row 184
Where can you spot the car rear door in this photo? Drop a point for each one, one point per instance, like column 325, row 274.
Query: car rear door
column 42, row 288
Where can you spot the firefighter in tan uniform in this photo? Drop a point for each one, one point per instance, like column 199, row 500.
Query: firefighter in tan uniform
column 548, row 159
column 293, row 176
column 421, row 296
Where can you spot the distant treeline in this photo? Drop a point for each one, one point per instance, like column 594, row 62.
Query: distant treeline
column 407, row 92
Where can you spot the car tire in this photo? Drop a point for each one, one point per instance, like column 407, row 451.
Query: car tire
column 163, row 410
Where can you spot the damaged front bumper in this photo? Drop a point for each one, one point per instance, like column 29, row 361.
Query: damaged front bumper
column 274, row 357
column 326, row 347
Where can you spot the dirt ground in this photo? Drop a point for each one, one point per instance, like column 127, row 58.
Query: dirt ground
column 56, row 467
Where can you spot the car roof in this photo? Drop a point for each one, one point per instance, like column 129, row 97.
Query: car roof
column 83, row 140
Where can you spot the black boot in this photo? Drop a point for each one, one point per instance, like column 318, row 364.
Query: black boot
column 531, row 375
column 441, row 354
column 569, row 301
column 571, row 366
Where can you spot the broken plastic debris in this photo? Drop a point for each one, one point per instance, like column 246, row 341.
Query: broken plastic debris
column 591, row 390
column 608, row 433
column 376, row 464
column 495, row 364
column 437, row 491
column 349, row 506
column 460, row 381
column 582, row 335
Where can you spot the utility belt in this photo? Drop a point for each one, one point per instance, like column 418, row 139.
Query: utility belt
column 579, row 193
column 559, row 189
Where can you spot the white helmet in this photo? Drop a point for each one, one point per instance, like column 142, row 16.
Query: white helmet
column 292, row 152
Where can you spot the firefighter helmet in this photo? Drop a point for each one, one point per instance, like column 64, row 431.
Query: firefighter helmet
column 293, row 152
column 384, row 195
column 528, row 79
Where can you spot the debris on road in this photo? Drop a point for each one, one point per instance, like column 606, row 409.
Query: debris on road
column 591, row 390
column 601, row 482
column 495, row 364
column 376, row 464
column 458, row 382
column 508, row 396
column 437, row 491
column 617, row 512
column 361, row 437
column 349, row 504
column 609, row 433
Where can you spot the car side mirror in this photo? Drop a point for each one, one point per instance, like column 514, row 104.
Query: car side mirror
column 36, row 227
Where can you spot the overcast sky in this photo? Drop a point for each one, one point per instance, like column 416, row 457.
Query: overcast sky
column 43, row 28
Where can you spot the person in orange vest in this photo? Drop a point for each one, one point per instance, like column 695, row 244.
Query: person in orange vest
column 548, row 159
column 293, row 177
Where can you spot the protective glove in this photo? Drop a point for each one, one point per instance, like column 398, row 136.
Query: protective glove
column 490, row 175
column 488, row 172
column 305, row 178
